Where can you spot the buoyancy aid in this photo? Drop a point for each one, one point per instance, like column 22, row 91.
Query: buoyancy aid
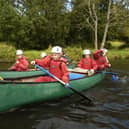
column 55, row 67
column 21, row 64
column 102, row 62
column 87, row 63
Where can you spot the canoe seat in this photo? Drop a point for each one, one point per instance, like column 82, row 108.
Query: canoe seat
column 76, row 76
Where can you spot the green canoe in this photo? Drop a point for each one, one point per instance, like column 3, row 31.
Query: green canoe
column 14, row 94
column 20, row 74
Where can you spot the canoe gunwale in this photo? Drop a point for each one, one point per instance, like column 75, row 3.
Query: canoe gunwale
column 15, row 74
column 18, row 71
column 15, row 82
column 16, row 78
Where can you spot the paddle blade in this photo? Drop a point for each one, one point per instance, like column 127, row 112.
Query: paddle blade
column 115, row 77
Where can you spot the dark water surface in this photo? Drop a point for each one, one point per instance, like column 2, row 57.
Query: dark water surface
column 111, row 109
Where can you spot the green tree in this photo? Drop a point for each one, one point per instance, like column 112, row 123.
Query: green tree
column 34, row 24
column 9, row 21
column 49, row 21
column 119, row 21
column 96, row 18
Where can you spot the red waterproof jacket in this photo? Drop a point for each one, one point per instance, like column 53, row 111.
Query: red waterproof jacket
column 21, row 64
column 49, row 56
column 87, row 63
column 55, row 67
column 42, row 61
column 101, row 60
column 63, row 59
column 102, row 63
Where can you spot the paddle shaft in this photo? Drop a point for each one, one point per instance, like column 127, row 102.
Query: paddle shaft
column 115, row 76
column 112, row 73
column 71, row 88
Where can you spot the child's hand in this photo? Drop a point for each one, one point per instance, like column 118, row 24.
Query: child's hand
column 33, row 62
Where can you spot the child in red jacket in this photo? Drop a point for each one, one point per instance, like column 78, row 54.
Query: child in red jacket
column 101, row 59
column 87, row 62
column 55, row 66
column 22, row 63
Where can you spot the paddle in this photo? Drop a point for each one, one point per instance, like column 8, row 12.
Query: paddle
column 115, row 76
column 71, row 88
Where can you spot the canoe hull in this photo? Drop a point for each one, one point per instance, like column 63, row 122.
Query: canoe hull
column 20, row 74
column 17, row 94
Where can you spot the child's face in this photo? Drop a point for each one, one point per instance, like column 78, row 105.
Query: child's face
column 56, row 56
column 100, row 54
column 87, row 56
column 19, row 56
column 104, row 54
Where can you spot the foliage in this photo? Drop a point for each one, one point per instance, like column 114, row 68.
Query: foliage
column 37, row 24
column 70, row 51
column 116, row 44
column 73, row 52
column 122, row 54
column 7, row 52
column 119, row 28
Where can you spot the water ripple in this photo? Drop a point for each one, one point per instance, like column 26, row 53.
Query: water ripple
column 110, row 111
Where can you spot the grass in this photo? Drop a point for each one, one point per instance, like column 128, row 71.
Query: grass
column 119, row 54
column 7, row 52
column 73, row 52
column 116, row 44
column 76, row 53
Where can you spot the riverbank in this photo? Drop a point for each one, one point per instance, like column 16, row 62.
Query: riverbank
column 7, row 53
column 74, row 54
column 118, row 54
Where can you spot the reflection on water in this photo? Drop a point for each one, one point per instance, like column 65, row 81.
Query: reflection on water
column 109, row 112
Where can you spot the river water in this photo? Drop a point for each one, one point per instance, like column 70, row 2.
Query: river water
column 110, row 110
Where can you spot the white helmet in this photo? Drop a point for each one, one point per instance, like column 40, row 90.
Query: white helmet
column 19, row 52
column 43, row 54
column 56, row 49
column 104, row 51
column 86, row 52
